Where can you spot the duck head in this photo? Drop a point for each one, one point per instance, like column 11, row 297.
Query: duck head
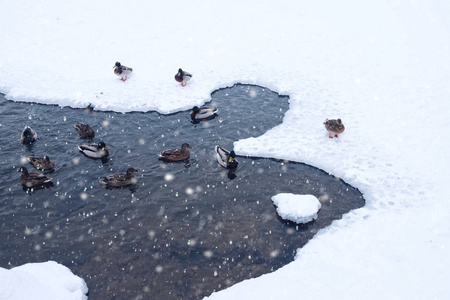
column 23, row 170
column 195, row 110
column 27, row 133
column 102, row 145
column 186, row 146
column 232, row 156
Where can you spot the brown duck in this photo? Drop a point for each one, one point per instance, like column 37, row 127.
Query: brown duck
column 41, row 163
column 334, row 127
column 33, row 178
column 176, row 154
column 85, row 130
column 120, row 179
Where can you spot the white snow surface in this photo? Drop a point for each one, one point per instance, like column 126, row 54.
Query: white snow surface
column 297, row 208
column 381, row 66
column 41, row 281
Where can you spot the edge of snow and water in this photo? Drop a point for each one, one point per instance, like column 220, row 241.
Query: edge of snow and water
column 381, row 66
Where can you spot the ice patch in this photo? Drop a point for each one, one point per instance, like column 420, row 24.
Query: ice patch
column 297, row 208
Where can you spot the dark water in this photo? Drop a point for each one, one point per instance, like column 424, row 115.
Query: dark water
column 185, row 230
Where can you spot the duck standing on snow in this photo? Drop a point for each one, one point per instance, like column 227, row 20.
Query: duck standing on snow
column 176, row 154
column 226, row 158
column 122, row 71
column 94, row 150
column 41, row 163
column 28, row 135
column 85, row 130
column 203, row 113
column 183, row 77
column 334, row 127
column 33, row 178
column 120, row 179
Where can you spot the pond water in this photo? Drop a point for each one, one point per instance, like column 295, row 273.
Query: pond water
column 186, row 229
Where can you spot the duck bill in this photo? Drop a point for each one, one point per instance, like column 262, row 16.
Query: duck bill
column 23, row 138
column 106, row 147
column 230, row 159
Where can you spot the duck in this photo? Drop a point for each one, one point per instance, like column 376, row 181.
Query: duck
column 226, row 158
column 85, row 130
column 334, row 127
column 183, row 77
column 41, row 163
column 176, row 154
column 33, row 178
column 120, row 179
column 122, row 71
column 94, row 150
column 28, row 135
column 203, row 113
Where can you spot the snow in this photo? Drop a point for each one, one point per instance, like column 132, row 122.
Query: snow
column 41, row 281
column 297, row 208
column 381, row 66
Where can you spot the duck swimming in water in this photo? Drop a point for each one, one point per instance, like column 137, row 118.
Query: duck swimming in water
column 41, row 163
column 85, row 130
column 120, row 179
column 334, row 127
column 33, row 178
column 94, row 150
column 176, row 154
column 183, row 77
column 226, row 158
column 122, row 71
column 28, row 135
column 203, row 113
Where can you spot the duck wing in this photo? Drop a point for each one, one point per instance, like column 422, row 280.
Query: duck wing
column 88, row 148
column 116, row 178
column 41, row 162
column 222, row 156
column 85, row 130
column 93, row 151
column 187, row 74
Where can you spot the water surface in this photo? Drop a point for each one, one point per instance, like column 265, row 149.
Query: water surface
column 186, row 229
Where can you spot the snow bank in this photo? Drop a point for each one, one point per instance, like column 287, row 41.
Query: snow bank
column 41, row 281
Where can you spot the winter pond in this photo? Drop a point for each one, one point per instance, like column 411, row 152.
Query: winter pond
column 185, row 230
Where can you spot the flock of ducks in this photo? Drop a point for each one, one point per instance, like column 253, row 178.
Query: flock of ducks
column 28, row 179
column 226, row 159
column 100, row 150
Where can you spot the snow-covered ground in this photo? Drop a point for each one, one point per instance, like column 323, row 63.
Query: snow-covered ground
column 382, row 66
column 297, row 208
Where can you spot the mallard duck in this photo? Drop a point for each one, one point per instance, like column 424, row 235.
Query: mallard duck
column 41, row 163
column 176, row 154
column 203, row 113
column 28, row 135
column 33, row 178
column 85, row 130
column 183, row 77
column 122, row 71
column 120, row 179
column 94, row 150
column 226, row 158
column 334, row 127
